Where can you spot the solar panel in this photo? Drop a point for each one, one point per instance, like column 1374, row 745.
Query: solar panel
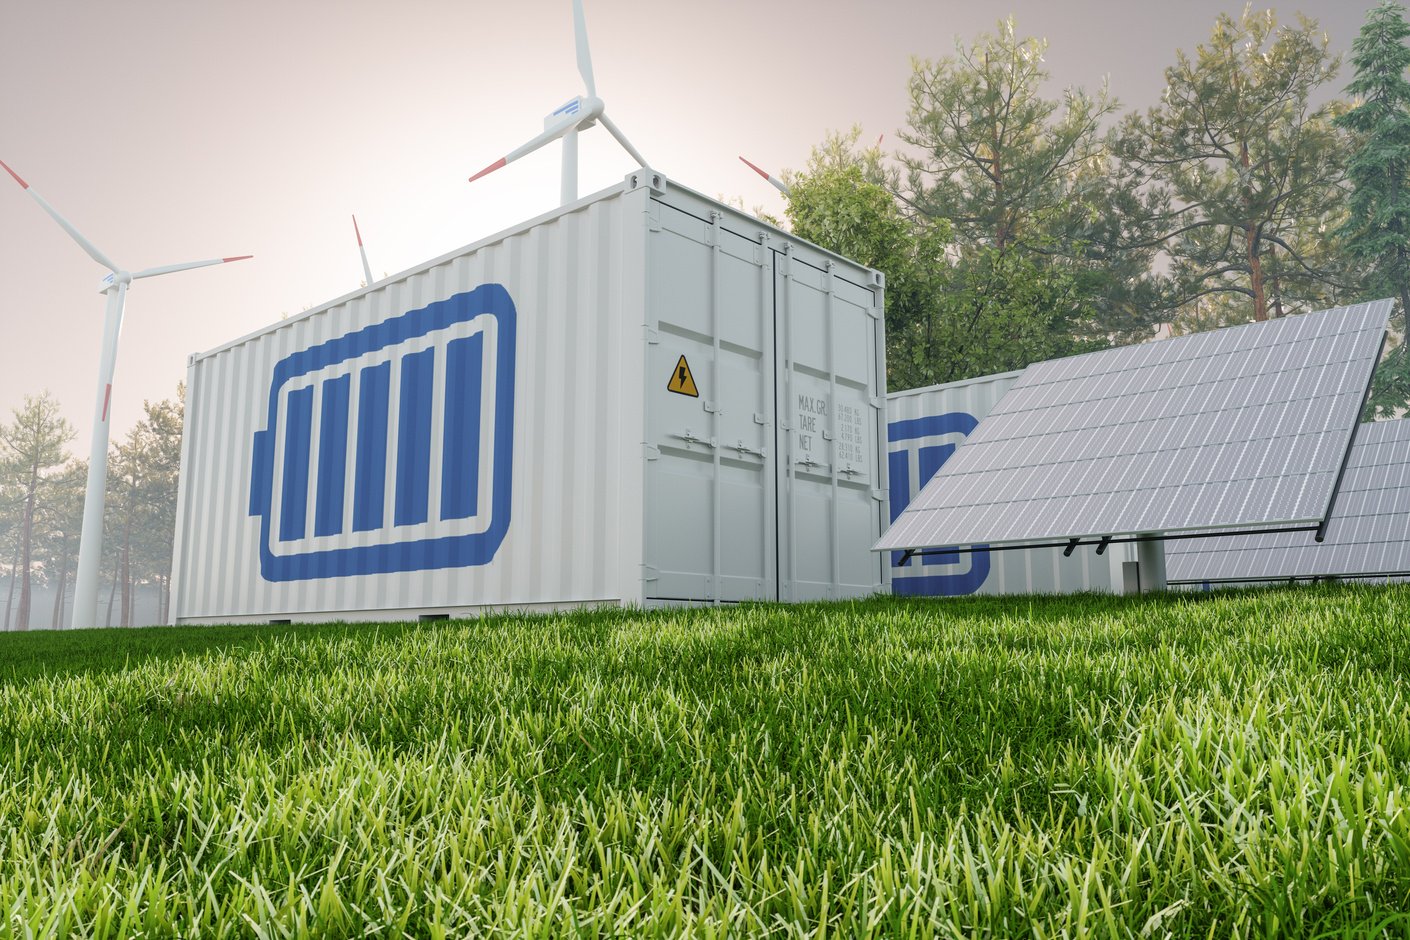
column 1368, row 533
column 1246, row 426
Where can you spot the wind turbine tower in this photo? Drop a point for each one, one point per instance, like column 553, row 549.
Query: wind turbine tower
column 115, row 287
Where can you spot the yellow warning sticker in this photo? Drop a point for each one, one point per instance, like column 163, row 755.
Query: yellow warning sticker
column 682, row 382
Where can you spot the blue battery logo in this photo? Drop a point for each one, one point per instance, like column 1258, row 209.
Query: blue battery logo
column 391, row 448
column 918, row 448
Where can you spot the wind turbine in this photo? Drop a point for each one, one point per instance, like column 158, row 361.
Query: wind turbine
column 579, row 114
column 779, row 184
column 115, row 286
column 774, row 181
column 366, row 268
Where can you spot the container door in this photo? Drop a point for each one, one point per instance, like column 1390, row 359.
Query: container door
column 830, row 419
column 710, row 461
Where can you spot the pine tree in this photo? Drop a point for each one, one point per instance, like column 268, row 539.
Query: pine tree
column 32, row 449
column 1378, row 229
column 1250, row 165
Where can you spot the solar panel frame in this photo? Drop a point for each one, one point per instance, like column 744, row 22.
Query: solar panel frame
column 1126, row 441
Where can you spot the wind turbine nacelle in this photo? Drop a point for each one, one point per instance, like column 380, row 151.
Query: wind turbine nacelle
column 111, row 280
column 584, row 108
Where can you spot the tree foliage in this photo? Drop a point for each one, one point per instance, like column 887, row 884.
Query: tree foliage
column 993, row 154
column 1247, row 168
column 1377, row 227
column 32, row 449
column 838, row 202
column 952, row 311
column 41, row 511
column 1376, row 232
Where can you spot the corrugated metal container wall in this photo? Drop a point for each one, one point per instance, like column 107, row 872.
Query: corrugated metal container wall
column 500, row 428
column 924, row 426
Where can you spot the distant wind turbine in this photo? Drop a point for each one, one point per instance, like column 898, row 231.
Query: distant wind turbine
column 579, row 114
column 774, row 181
column 115, row 285
column 366, row 268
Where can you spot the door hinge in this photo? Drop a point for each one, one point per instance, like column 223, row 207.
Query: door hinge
column 652, row 452
column 650, row 573
column 652, row 336
column 711, row 407
column 760, row 419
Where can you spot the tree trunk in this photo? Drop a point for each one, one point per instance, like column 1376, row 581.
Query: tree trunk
column 1255, row 264
column 1402, row 282
column 1277, row 289
column 108, row 621
column 10, row 601
column 27, row 551
column 1255, row 273
column 127, row 567
column 63, row 584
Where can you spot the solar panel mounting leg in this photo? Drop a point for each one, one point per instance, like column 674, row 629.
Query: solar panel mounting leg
column 1071, row 545
column 1101, row 546
column 1150, row 558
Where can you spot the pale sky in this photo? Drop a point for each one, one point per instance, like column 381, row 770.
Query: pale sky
column 173, row 130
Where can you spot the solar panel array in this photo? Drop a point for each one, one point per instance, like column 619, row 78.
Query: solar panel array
column 1239, row 427
column 1368, row 533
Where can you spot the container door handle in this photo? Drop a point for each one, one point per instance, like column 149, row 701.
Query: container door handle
column 743, row 449
column 690, row 438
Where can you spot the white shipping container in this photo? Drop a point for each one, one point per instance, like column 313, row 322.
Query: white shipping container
column 924, row 426
column 646, row 397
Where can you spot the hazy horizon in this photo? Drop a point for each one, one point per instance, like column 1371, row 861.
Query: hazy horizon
column 171, row 132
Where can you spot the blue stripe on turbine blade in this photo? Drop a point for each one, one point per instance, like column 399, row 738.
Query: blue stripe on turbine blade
column 370, row 483
column 460, row 455
column 332, row 456
column 293, row 507
column 414, row 438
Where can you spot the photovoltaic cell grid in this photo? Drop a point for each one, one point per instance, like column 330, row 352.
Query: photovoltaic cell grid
column 1239, row 427
column 1368, row 533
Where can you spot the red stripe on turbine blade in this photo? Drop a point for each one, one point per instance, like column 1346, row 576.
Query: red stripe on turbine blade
column 357, row 231
column 107, row 397
column 236, row 258
column 489, row 169
column 22, row 183
column 755, row 168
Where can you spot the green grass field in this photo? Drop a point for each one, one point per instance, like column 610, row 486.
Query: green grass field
column 1214, row 765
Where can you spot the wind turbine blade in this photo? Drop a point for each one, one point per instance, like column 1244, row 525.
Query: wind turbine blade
column 74, row 233
column 173, row 268
column 23, row 184
column 584, row 56
column 774, row 181
column 366, row 268
column 621, row 139
column 548, row 136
